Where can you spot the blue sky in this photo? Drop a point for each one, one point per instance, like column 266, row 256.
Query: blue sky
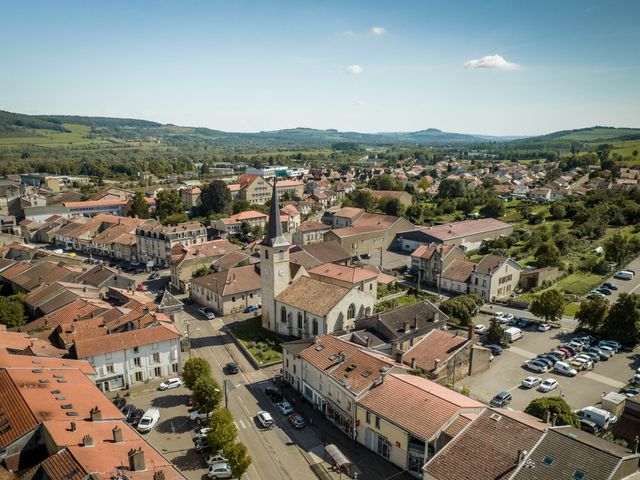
column 489, row 67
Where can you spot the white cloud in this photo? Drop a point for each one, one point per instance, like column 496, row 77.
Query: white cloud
column 355, row 69
column 378, row 30
column 496, row 62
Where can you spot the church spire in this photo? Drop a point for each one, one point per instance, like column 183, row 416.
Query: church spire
column 274, row 237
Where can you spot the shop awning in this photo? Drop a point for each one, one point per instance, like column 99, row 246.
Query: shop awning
column 338, row 458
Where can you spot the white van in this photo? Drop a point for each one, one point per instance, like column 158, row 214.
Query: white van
column 624, row 275
column 565, row 369
column 149, row 420
column 513, row 333
column 600, row 417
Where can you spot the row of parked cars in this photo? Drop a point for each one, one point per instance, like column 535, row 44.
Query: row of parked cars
column 136, row 417
column 284, row 407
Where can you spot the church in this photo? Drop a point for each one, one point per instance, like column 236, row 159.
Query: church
column 297, row 305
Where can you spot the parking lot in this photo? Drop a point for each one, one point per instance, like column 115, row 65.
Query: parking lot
column 586, row 388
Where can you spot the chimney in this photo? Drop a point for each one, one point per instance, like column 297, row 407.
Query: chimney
column 117, row 434
column 73, row 327
column 436, row 363
column 522, row 454
column 413, row 363
column 96, row 414
column 87, row 441
column 406, row 326
column 136, row 460
column 436, row 316
column 545, row 416
column 554, row 419
column 345, row 381
column 159, row 475
column 73, row 426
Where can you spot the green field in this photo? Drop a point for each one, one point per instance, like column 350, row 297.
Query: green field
column 78, row 136
column 625, row 149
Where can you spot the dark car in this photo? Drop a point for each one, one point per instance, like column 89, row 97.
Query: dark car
column 610, row 286
column 231, row 368
column 604, row 291
column 589, row 426
column 134, row 416
column 274, row 394
column 126, row 410
column 119, row 402
column 202, row 445
column 501, row 400
column 365, row 256
column 495, row 349
column 523, row 322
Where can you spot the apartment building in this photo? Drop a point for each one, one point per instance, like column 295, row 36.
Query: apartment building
column 155, row 241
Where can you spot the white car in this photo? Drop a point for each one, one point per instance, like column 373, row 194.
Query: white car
column 531, row 382
column 548, row 385
column 544, row 327
column 535, row 366
column 265, row 419
column 171, row 383
column 219, row 470
column 207, row 313
column 480, row 329
column 211, row 459
column 285, row 408
column 502, row 317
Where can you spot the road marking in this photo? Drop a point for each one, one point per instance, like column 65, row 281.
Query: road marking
column 606, row 380
column 241, row 423
column 236, row 424
column 521, row 352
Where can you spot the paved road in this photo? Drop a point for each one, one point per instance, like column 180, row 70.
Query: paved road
column 626, row 286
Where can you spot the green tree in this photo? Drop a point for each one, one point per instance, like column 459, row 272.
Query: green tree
column 193, row 369
column 462, row 307
column 548, row 255
column 207, row 394
column 557, row 211
column 592, row 314
column 555, row 406
column 616, row 248
column 394, row 207
column 385, row 182
column 548, row 305
column 203, row 271
column 360, row 199
column 238, row 457
column 451, row 188
column 215, row 198
column 169, row 203
column 466, row 206
column 223, row 431
column 496, row 333
column 239, row 205
column 175, row 219
column 623, row 319
column 12, row 312
column 245, row 229
column 139, row 206
column 494, row 208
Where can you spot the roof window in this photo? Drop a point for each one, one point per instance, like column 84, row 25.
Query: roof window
column 72, row 414
column 353, row 366
column 366, row 374
column 55, row 392
column 548, row 460
column 578, row 475
column 67, row 406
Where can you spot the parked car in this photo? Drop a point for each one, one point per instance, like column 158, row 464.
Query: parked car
column 202, row 445
column 565, row 369
column 127, row 409
column 530, row 382
column 595, row 294
column 170, row 384
column 523, row 322
column 480, row 329
column 630, row 391
column 149, row 420
column 502, row 317
column 548, row 385
column 274, row 394
column 219, row 470
column 211, row 459
column 207, row 313
column 594, row 357
column 199, row 416
column 231, row 368
column 600, row 417
column 202, row 432
column 623, row 275
column 604, row 355
column 501, row 400
column 296, row 420
column 610, row 286
column 589, row 426
column 544, row 327
column 135, row 416
column 607, row 349
column 604, row 291
column 265, row 419
column 119, row 402
column 611, row 343
column 536, row 366
column 545, row 361
column 495, row 349
column 561, row 354
column 552, row 359
column 285, row 408
column 251, row 309
column 576, row 346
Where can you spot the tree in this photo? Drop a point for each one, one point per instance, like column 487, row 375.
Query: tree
column 465, row 206
column 239, row 205
column 548, row 255
column 555, row 406
column 169, row 202
column 223, row 431
column 593, row 314
column 385, row 182
column 139, row 206
column 496, row 333
column 494, row 208
column 451, row 188
column 462, row 307
column 175, row 219
column 245, row 229
column 360, row 199
column 238, row 458
column 616, row 248
column 557, row 211
column 394, row 207
column 207, row 393
column 623, row 319
column 12, row 310
column 193, row 369
column 548, row 305
column 215, row 198
column 424, row 183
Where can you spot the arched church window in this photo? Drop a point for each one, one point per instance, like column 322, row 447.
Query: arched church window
column 299, row 320
column 351, row 312
column 283, row 315
column 315, row 327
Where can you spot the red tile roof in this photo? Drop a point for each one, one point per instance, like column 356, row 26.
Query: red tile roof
column 231, row 282
column 312, row 295
column 343, row 272
column 459, row 270
column 361, row 370
column 94, row 203
column 325, row 352
column 436, row 345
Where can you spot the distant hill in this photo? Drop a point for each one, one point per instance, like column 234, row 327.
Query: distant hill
column 74, row 131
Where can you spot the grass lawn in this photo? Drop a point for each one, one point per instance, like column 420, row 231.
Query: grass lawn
column 262, row 344
column 51, row 138
column 571, row 309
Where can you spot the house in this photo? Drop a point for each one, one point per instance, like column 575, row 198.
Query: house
column 186, row 259
column 233, row 225
column 530, row 279
column 365, row 233
column 467, row 234
column 101, row 277
column 429, row 260
column 90, row 208
column 25, row 277
column 490, row 447
column 456, row 278
column 310, row 232
column 403, row 197
column 252, row 188
column 191, row 197
column 293, row 189
column 228, row 291
column 155, row 241
column 541, row 194
column 293, row 217
column 446, row 357
column 566, row 452
column 495, row 277
column 49, row 297
column 131, row 357
column 407, row 419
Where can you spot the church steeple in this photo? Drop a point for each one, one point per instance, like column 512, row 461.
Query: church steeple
column 274, row 237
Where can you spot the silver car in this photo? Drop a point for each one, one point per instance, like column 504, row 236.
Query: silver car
column 219, row 470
